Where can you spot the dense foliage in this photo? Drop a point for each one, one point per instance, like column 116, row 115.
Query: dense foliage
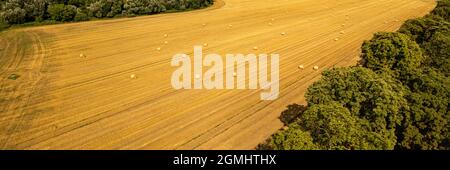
column 374, row 100
column 432, row 33
column 442, row 9
column 398, row 98
column 393, row 53
column 22, row 11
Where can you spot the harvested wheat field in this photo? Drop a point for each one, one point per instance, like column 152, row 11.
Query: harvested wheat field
column 106, row 84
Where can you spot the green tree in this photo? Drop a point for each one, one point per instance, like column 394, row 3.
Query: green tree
column 35, row 9
column 377, row 100
column 433, row 35
column 426, row 124
column 333, row 127
column 22, row 11
column 394, row 53
column 438, row 50
column 81, row 16
column 291, row 139
column 398, row 100
column 422, row 29
column 105, row 8
column 442, row 9
column 12, row 12
column 61, row 12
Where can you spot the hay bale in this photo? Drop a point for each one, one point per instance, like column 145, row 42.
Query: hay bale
column 13, row 76
column 165, row 35
column 343, row 25
column 82, row 56
column 158, row 49
column 255, row 48
column 336, row 39
column 204, row 24
column 273, row 19
column 316, row 67
column 342, row 32
column 133, row 76
column 205, row 44
column 283, row 33
column 166, row 42
column 234, row 74
column 301, row 67
column 270, row 24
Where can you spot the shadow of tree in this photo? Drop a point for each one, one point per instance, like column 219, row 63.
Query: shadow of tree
column 264, row 146
column 291, row 113
column 288, row 116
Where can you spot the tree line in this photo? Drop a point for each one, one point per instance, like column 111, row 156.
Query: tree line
column 23, row 11
column 397, row 97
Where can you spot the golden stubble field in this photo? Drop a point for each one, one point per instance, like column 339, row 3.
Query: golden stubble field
column 64, row 101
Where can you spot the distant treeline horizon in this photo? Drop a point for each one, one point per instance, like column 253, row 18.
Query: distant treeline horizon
column 13, row 12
